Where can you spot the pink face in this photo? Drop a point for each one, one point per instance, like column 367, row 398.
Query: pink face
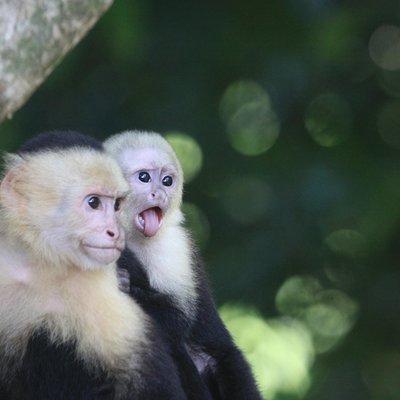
column 154, row 180
column 103, row 239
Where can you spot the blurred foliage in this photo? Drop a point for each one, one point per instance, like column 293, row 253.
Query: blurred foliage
column 188, row 152
column 286, row 116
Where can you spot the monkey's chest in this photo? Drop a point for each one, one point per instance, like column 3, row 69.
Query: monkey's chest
column 23, row 309
column 66, row 317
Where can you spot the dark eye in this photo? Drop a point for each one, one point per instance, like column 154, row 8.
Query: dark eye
column 167, row 180
column 117, row 204
column 144, row 177
column 94, row 202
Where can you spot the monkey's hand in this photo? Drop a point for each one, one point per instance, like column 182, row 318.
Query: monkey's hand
column 124, row 280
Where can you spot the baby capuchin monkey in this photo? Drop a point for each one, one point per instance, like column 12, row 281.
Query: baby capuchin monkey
column 166, row 275
column 66, row 330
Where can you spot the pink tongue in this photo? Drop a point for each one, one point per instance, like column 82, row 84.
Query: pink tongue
column 151, row 222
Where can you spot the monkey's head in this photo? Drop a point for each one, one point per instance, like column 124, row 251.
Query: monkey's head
column 155, row 176
column 63, row 206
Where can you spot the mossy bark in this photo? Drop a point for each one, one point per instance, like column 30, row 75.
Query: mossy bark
column 34, row 36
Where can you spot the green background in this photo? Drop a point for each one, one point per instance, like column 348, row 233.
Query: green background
column 286, row 116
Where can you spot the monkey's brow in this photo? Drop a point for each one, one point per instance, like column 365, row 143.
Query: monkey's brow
column 168, row 167
column 150, row 167
column 119, row 195
column 142, row 167
column 122, row 195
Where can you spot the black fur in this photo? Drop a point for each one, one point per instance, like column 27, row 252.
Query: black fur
column 172, row 322
column 51, row 371
column 227, row 375
column 59, row 140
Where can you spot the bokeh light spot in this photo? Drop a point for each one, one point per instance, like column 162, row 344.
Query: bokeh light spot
column 347, row 242
column 253, row 129
column 251, row 123
column 384, row 47
column 296, row 294
column 280, row 351
column 239, row 94
column 189, row 153
column 389, row 124
column 248, row 199
column 329, row 314
column 330, row 318
column 329, row 119
column 197, row 222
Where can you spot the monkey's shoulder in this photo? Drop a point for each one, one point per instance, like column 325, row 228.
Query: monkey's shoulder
column 68, row 306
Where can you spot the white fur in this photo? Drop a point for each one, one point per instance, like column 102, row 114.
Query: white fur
column 167, row 258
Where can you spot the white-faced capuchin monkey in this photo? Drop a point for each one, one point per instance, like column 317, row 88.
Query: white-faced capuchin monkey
column 66, row 330
column 166, row 275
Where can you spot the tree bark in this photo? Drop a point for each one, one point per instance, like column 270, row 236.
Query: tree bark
column 34, row 37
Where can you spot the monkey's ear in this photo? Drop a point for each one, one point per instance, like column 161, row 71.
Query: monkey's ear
column 10, row 196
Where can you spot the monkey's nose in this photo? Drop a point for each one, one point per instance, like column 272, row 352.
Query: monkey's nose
column 158, row 195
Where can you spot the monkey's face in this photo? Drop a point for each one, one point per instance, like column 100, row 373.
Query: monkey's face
column 65, row 206
column 156, row 184
column 99, row 236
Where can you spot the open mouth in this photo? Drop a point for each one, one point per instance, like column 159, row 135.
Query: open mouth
column 149, row 221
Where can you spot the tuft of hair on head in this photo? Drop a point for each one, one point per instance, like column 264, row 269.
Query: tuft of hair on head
column 60, row 140
column 136, row 139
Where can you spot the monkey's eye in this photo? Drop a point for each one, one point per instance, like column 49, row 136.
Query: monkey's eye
column 144, row 176
column 117, row 204
column 167, row 180
column 94, row 202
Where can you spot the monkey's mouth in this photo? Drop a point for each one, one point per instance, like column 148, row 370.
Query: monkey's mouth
column 90, row 246
column 102, row 254
column 149, row 221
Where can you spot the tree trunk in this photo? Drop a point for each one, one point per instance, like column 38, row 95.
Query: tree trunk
column 34, row 37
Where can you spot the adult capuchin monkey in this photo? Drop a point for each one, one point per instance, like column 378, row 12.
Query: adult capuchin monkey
column 66, row 330
column 173, row 288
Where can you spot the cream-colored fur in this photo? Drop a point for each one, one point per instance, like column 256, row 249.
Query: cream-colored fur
column 42, row 282
column 73, row 304
column 40, row 191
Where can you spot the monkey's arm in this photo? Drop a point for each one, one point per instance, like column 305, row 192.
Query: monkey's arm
column 173, row 324
column 227, row 372
column 160, row 376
